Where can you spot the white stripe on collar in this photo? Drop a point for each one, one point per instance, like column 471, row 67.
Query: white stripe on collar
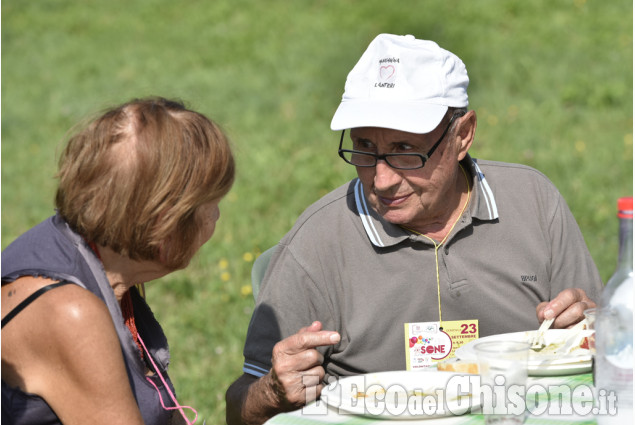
column 487, row 192
column 367, row 221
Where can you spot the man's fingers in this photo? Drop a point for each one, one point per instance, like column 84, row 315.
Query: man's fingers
column 297, row 370
column 568, row 308
column 297, row 352
column 573, row 314
column 312, row 380
column 563, row 301
column 540, row 311
column 313, row 377
column 307, row 340
column 294, row 360
column 313, row 327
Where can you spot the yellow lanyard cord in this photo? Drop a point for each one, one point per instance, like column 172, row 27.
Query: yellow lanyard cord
column 437, row 246
column 142, row 290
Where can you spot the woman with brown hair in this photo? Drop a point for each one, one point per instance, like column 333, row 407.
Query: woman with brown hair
column 138, row 195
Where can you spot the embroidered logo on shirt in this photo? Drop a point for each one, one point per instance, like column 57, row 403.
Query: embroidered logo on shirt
column 528, row 278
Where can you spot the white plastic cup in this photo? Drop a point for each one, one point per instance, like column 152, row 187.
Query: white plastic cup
column 590, row 315
column 503, row 370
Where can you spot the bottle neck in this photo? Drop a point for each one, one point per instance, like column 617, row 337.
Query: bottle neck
column 625, row 259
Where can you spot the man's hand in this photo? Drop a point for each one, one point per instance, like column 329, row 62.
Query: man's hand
column 296, row 373
column 295, row 379
column 568, row 308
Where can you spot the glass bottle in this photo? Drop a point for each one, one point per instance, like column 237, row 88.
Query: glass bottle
column 614, row 331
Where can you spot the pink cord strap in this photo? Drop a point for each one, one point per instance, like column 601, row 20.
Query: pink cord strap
column 167, row 387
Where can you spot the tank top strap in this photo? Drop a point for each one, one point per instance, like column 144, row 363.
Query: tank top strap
column 6, row 319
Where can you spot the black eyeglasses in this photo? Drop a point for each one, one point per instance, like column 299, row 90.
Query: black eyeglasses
column 401, row 161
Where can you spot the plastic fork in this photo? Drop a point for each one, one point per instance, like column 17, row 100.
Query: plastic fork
column 538, row 342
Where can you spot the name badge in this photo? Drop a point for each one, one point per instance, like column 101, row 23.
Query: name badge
column 427, row 343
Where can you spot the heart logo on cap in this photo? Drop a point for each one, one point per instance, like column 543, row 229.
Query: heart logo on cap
column 386, row 72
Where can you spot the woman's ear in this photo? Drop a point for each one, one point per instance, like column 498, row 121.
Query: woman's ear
column 465, row 130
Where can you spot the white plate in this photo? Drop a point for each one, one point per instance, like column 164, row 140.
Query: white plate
column 544, row 363
column 404, row 394
column 561, row 369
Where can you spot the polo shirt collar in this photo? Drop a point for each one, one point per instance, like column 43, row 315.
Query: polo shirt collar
column 381, row 233
column 483, row 203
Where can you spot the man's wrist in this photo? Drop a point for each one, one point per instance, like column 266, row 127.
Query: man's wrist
column 263, row 400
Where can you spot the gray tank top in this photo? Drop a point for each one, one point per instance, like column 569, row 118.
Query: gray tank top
column 51, row 249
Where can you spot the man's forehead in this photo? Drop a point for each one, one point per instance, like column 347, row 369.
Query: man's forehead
column 388, row 134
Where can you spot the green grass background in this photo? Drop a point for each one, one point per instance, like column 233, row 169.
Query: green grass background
column 551, row 81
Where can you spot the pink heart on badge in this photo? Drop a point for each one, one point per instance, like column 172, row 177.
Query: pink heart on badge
column 386, row 72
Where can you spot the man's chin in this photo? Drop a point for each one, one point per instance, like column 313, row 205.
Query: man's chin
column 396, row 217
column 399, row 216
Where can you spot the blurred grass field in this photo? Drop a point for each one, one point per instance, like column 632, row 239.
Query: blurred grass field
column 551, row 82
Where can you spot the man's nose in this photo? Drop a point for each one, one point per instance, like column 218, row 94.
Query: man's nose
column 385, row 175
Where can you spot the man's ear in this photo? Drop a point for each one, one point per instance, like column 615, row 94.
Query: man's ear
column 465, row 130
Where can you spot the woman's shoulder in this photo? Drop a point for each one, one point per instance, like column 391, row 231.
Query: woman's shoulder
column 63, row 347
column 51, row 327
column 57, row 301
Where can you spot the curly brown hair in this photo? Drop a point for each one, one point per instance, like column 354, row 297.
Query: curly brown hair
column 133, row 178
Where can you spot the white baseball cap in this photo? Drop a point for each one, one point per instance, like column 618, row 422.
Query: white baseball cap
column 402, row 83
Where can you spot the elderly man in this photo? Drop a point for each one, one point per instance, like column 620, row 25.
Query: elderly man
column 425, row 234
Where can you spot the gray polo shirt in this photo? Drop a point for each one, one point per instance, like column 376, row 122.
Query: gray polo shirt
column 517, row 244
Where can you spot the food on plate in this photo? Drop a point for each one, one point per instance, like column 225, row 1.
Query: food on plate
column 365, row 394
column 552, row 348
column 585, row 343
column 403, row 394
column 380, row 393
column 576, row 344
column 456, row 365
column 567, row 351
